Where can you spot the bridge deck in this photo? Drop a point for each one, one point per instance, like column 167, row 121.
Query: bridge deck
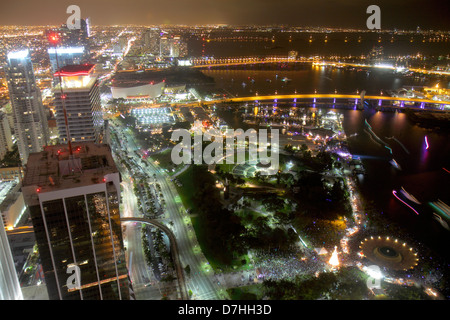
column 326, row 96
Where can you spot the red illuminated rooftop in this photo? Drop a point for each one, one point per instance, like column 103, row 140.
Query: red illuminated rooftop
column 75, row 70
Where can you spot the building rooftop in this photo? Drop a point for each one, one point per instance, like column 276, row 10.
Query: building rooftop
column 74, row 85
column 75, row 70
column 54, row 169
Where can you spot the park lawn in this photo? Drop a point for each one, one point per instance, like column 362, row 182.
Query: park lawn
column 248, row 215
column 228, row 168
column 251, row 292
column 236, row 264
column 197, row 223
column 164, row 159
column 187, row 190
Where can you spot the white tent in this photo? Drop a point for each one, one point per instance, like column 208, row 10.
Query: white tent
column 321, row 251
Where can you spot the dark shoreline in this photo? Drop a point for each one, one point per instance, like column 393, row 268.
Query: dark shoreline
column 436, row 120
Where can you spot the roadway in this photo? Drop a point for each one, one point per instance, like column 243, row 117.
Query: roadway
column 173, row 250
column 201, row 280
column 145, row 286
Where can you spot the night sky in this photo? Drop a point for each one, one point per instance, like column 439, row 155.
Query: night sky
column 402, row 14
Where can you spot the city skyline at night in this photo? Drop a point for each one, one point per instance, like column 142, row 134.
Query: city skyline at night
column 398, row 14
column 217, row 152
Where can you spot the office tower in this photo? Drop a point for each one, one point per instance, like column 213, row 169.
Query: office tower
column 30, row 120
column 87, row 26
column 6, row 143
column 7, row 109
column 66, row 56
column 151, row 40
column 376, row 54
column 74, row 38
column 82, row 103
column 9, row 282
column 74, row 205
column 121, row 44
column 172, row 46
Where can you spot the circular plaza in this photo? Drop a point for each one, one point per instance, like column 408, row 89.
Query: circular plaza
column 390, row 253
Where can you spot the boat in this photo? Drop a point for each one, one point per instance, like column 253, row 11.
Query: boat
column 285, row 79
column 441, row 213
column 395, row 164
column 442, row 208
column 441, row 221
column 409, row 196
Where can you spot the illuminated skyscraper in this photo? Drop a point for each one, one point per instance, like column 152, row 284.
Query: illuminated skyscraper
column 151, row 40
column 74, row 205
column 9, row 283
column 30, row 120
column 82, row 103
column 172, row 46
column 6, row 143
column 75, row 37
column 66, row 56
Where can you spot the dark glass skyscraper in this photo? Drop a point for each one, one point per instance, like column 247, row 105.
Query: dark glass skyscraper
column 74, row 206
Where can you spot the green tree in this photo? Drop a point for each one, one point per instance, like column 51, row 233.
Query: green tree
column 187, row 269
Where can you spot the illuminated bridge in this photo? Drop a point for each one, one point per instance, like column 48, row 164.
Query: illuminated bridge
column 346, row 98
column 236, row 61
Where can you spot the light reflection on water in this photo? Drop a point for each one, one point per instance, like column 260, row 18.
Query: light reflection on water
column 420, row 170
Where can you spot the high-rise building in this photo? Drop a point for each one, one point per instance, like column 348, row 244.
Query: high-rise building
column 172, row 46
column 120, row 46
column 30, row 119
column 82, row 103
column 74, row 37
column 74, row 205
column 7, row 109
column 376, row 54
column 66, row 56
column 151, row 40
column 6, row 143
column 9, row 283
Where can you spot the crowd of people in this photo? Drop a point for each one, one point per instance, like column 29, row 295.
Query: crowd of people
column 278, row 265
